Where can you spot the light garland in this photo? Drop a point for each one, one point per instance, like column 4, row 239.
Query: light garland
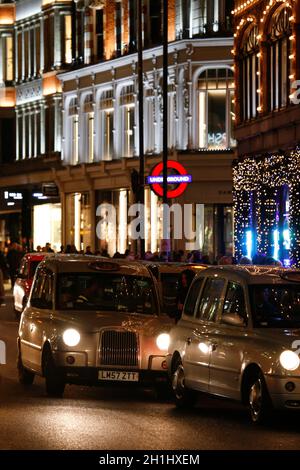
column 257, row 184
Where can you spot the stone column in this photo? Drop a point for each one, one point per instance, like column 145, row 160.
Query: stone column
column 57, row 39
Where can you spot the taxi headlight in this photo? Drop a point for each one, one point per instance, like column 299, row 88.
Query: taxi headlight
column 163, row 341
column 289, row 360
column 71, row 337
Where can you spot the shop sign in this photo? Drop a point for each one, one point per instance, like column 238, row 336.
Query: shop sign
column 180, row 179
column 11, row 200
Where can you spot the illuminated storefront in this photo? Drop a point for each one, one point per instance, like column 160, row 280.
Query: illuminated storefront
column 78, row 220
column 47, row 225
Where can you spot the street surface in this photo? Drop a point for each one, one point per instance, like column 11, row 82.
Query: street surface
column 110, row 418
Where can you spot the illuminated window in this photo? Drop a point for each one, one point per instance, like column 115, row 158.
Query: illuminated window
column 149, row 125
column 198, row 17
column 250, row 75
column 68, row 39
column 279, row 61
column 73, row 122
column 91, row 136
column 128, row 112
column 88, row 110
column 215, row 109
column 8, row 58
column 107, row 125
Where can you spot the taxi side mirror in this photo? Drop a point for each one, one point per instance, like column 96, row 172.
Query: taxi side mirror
column 233, row 319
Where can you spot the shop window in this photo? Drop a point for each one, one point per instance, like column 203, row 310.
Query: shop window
column 216, row 90
column 250, row 75
column 279, row 46
column 47, row 225
column 68, row 38
column 78, row 223
column 107, row 125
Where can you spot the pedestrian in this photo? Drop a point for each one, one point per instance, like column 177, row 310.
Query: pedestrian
column 88, row 251
column 13, row 259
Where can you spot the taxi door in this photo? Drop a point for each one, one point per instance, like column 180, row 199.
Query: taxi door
column 199, row 341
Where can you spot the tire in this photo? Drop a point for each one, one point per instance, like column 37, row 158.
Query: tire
column 55, row 383
column 258, row 400
column 26, row 377
column 182, row 396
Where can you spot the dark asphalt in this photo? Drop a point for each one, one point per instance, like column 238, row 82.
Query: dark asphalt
column 108, row 418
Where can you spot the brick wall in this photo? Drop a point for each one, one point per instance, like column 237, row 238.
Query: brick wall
column 109, row 34
column 172, row 20
column 125, row 35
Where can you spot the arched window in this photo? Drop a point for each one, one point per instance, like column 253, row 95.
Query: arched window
column 250, row 75
column 216, row 114
column 107, row 125
column 278, row 59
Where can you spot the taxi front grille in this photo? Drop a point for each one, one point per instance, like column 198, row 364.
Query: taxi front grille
column 119, row 348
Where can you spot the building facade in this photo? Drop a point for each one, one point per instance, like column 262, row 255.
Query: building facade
column 77, row 129
column 100, row 136
column 266, row 175
column 35, row 46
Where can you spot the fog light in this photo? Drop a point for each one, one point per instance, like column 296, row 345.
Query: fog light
column 164, row 365
column 290, row 386
column 70, row 359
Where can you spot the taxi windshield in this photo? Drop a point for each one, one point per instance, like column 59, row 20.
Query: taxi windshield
column 276, row 306
column 105, row 291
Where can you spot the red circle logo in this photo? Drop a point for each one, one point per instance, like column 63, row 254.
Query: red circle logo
column 182, row 179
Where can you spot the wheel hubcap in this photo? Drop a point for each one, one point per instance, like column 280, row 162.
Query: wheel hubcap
column 255, row 399
column 178, row 382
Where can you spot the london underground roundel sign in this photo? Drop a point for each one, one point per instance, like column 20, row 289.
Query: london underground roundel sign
column 180, row 179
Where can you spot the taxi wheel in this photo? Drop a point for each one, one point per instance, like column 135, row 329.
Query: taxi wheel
column 183, row 397
column 55, row 384
column 25, row 376
column 259, row 403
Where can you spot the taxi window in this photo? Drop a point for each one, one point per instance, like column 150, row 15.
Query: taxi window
column 43, row 290
column 210, row 299
column 104, row 291
column 191, row 300
column 235, row 300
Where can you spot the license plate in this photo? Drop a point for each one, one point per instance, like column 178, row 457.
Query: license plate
column 118, row 375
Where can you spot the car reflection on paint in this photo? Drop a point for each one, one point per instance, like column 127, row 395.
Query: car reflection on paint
column 93, row 321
